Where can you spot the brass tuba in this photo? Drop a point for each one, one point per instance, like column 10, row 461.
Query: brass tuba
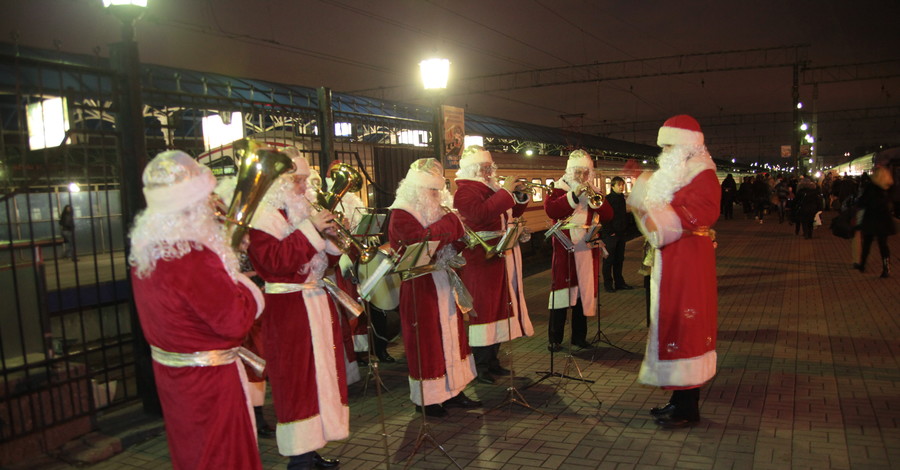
column 259, row 168
column 345, row 179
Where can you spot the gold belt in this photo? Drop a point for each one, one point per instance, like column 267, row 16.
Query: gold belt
column 336, row 293
column 288, row 287
column 216, row 357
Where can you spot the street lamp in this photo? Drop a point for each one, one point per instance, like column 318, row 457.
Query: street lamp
column 435, row 74
column 129, row 107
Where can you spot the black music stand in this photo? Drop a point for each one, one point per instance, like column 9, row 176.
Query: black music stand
column 601, row 337
column 411, row 264
column 513, row 396
column 569, row 246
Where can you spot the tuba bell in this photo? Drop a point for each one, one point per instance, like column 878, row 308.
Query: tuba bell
column 345, row 179
column 259, row 168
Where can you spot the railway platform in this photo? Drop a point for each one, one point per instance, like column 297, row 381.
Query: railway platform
column 808, row 378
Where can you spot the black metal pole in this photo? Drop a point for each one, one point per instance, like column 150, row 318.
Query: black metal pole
column 326, row 131
column 132, row 160
column 438, row 136
column 795, row 143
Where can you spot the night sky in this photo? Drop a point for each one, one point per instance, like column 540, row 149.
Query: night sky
column 373, row 47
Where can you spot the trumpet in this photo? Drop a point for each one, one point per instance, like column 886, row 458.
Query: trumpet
column 472, row 238
column 532, row 187
column 594, row 198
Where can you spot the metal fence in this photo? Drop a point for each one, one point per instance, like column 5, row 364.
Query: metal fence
column 67, row 332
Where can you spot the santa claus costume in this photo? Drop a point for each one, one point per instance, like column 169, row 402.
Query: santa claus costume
column 575, row 272
column 195, row 309
column 676, row 208
column 301, row 328
column 437, row 350
column 495, row 283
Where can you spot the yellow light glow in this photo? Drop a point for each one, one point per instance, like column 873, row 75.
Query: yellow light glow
column 48, row 121
column 137, row 3
column 216, row 133
column 435, row 73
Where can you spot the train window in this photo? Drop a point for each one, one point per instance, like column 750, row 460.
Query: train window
column 538, row 194
column 629, row 182
column 607, row 186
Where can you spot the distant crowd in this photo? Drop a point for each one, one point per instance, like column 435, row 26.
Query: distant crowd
column 866, row 201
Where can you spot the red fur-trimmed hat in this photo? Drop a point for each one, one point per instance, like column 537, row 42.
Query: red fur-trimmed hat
column 680, row 130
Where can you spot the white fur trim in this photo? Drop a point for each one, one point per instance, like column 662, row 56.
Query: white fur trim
column 179, row 196
column 680, row 372
column 309, row 231
column 333, row 421
column 271, row 221
column 254, row 289
column 425, row 180
column 579, row 159
column 245, row 385
column 668, row 226
column 459, row 372
column 677, row 136
column 475, row 158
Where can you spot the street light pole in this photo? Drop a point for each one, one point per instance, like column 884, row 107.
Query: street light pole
column 435, row 74
column 132, row 160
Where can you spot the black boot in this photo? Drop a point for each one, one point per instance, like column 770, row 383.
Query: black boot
column 686, row 412
column 885, row 267
column 301, row 462
column 262, row 427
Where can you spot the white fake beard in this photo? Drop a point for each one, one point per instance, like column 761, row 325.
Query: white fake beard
column 424, row 202
column 473, row 172
column 157, row 236
column 673, row 167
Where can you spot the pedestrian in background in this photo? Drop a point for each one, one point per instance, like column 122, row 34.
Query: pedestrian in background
column 67, row 228
column 614, row 237
column 876, row 220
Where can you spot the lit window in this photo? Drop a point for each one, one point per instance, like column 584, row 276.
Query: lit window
column 48, row 121
column 538, row 195
column 218, row 132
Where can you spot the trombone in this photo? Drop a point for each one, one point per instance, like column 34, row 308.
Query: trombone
column 472, row 238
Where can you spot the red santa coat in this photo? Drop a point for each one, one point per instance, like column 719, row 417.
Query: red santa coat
column 187, row 305
column 302, row 334
column 575, row 274
column 442, row 350
column 496, row 289
column 681, row 347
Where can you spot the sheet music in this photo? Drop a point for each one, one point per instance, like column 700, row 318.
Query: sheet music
column 370, row 224
column 417, row 255
column 509, row 239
